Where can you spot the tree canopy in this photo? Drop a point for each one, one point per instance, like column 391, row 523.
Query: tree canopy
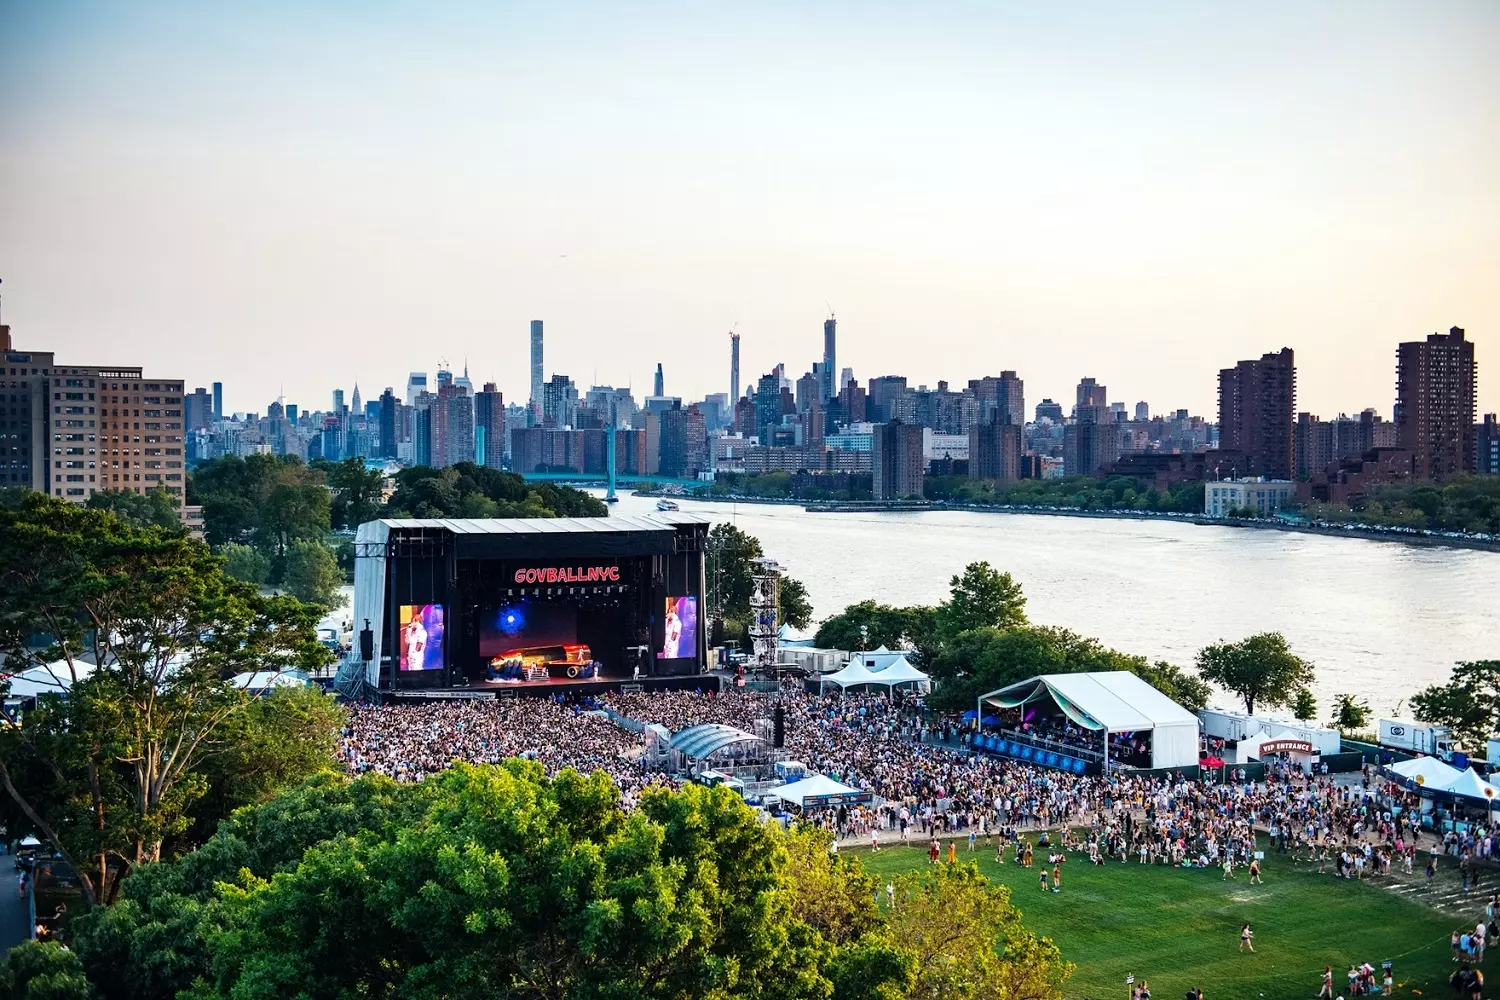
column 469, row 490
column 143, row 627
column 154, row 507
column 982, row 597
column 496, row 881
column 1260, row 669
column 729, row 558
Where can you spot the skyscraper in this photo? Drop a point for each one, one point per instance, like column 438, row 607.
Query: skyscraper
column 489, row 425
column 197, row 410
column 1004, row 394
column 734, row 368
column 388, row 405
column 767, row 406
column 995, row 451
column 338, row 401
column 1487, row 446
column 356, row 406
column 1435, row 388
column 1091, row 393
column 218, row 400
column 830, row 358
column 1257, row 414
column 416, row 384
column 660, row 384
column 536, row 371
column 452, row 427
column 896, row 461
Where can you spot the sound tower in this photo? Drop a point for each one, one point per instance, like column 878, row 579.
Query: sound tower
column 779, row 727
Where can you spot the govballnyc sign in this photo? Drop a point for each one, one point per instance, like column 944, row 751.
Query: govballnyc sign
column 568, row 574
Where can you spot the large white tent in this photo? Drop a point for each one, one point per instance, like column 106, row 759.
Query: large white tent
column 856, row 673
column 1115, row 701
column 1429, row 772
column 810, row 787
column 1471, row 786
column 53, row 678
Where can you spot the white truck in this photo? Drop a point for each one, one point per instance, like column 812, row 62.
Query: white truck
column 1417, row 737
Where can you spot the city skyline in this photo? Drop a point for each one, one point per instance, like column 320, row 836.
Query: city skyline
column 1144, row 198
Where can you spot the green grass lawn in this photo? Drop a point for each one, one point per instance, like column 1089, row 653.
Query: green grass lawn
column 1180, row 928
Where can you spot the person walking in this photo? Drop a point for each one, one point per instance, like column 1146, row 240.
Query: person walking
column 1246, row 934
column 1326, row 993
column 1255, row 872
column 1057, row 878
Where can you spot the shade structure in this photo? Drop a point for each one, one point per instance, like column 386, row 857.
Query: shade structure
column 818, row 787
column 264, row 680
column 1427, row 772
column 1114, row 701
column 707, row 739
column 1470, row 786
column 856, row 673
column 53, row 678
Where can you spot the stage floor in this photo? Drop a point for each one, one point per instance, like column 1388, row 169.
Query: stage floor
column 560, row 685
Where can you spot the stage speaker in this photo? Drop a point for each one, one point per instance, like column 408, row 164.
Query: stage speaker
column 366, row 643
column 779, row 727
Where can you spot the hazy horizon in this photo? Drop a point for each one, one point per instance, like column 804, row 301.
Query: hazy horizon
column 302, row 196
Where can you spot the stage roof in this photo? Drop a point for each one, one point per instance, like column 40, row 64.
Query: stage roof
column 707, row 739
column 664, row 521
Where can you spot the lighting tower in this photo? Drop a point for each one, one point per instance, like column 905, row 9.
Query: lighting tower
column 765, row 577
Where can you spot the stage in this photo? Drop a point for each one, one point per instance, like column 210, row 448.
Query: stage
column 557, row 686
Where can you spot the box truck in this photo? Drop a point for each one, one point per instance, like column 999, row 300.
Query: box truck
column 1417, row 737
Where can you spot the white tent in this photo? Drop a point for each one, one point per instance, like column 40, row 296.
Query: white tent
column 264, row 680
column 818, row 784
column 1249, row 747
column 1429, row 772
column 1471, row 786
column 877, row 660
column 901, row 672
column 1114, row 701
column 854, row 673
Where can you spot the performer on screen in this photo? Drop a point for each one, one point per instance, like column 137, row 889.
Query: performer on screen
column 673, row 634
column 416, row 641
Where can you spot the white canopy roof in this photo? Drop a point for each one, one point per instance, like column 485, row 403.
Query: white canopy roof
column 1429, row 772
column 817, row 784
column 1115, row 700
column 54, row 678
column 260, row 680
column 854, row 673
column 1471, row 786
column 899, row 672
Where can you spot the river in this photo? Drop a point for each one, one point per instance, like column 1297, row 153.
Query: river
column 1378, row 619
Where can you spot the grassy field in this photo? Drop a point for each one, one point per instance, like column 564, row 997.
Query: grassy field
column 1180, row 929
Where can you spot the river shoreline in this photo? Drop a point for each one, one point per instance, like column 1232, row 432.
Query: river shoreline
column 1362, row 532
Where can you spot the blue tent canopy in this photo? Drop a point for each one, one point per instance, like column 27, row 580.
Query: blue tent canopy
column 990, row 720
column 970, row 715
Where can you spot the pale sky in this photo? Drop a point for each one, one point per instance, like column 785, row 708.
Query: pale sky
column 303, row 194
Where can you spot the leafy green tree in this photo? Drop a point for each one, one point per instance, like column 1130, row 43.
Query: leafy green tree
column 1350, row 714
column 1260, row 669
column 831, row 893
column 36, row 971
column 968, row 940
column 1304, row 705
column 468, row 490
column 311, row 573
column 110, row 772
column 1469, row 703
column 982, row 597
column 793, row 607
column 245, row 562
column 1177, row 684
column 870, row 625
column 154, row 507
column 358, row 492
column 265, row 500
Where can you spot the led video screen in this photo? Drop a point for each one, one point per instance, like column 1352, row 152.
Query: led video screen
column 680, row 638
column 421, row 637
column 526, row 624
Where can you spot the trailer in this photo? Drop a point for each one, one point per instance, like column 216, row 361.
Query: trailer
column 1224, row 725
column 1417, row 737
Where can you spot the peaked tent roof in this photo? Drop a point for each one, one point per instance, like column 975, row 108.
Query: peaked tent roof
column 1471, row 786
column 1429, row 772
column 900, row 672
column 817, row 784
column 1114, row 700
column 854, row 673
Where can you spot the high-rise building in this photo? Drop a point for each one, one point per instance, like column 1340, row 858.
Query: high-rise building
column 853, row 403
column 537, row 377
column 198, row 410
column 356, row 406
column 1142, row 410
column 452, row 427
column 416, row 384
column 1436, row 386
column 808, row 390
column 559, row 402
column 660, row 384
column 291, row 412
column 489, row 427
column 421, row 431
column 1091, row 443
column 1487, row 446
column 1091, row 393
column 734, row 368
column 896, row 461
column 388, row 404
column 880, row 402
column 830, row 387
column 767, row 406
column 218, row 401
column 1257, row 407
column 1004, row 394
column 1048, row 410
column 995, row 451
column 338, row 402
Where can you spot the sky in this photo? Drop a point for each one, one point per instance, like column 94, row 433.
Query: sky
column 290, row 197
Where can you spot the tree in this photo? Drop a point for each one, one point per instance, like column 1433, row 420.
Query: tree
column 830, row 892
column 245, row 562
column 1469, row 703
column 154, row 507
column 312, row 573
column 1177, row 684
column 266, row 500
column 358, row 492
column 794, row 607
column 982, row 597
column 968, row 940
column 36, row 971
column 1304, row 705
column 1259, row 669
column 142, row 626
column 468, row 490
column 1350, row 714
column 869, row 625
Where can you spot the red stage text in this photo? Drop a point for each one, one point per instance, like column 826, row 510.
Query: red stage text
column 569, row 574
